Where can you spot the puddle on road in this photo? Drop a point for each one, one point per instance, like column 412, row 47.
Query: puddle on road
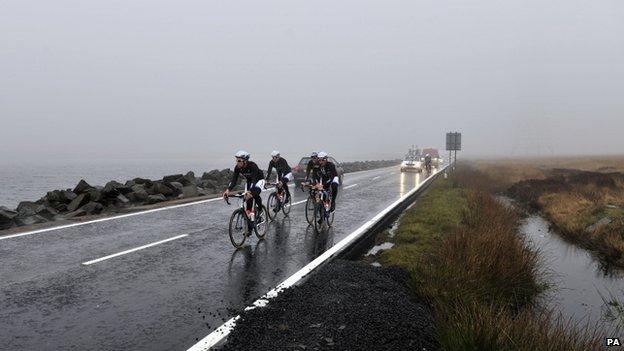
column 579, row 279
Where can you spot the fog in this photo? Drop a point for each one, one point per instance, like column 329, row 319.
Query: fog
column 359, row 79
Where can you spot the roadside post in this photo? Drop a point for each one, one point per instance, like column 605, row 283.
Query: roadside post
column 453, row 144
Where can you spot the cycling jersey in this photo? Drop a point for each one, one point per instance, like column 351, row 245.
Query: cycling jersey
column 327, row 174
column 253, row 175
column 312, row 167
column 281, row 166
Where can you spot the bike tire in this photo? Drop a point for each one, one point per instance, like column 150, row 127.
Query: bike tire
column 238, row 228
column 286, row 207
column 309, row 210
column 271, row 202
column 261, row 229
column 319, row 214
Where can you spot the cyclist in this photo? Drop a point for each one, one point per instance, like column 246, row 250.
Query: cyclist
column 328, row 177
column 284, row 172
column 312, row 167
column 428, row 162
column 253, row 176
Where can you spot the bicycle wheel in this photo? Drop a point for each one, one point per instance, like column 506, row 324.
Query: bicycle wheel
column 286, row 206
column 271, row 203
column 309, row 211
column 319, row 214
column 238, row 228
column 261, row 227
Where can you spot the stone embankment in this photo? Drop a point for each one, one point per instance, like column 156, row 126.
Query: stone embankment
column 86, row 199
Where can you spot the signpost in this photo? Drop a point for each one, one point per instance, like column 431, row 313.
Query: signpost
column 453, row 144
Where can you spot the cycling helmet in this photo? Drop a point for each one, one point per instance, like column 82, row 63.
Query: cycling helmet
column 322, row 154
column 314, row 154
column 242, row 154
column 275, row 153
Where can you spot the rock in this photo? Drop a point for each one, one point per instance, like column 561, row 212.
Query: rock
column 82, row 187
column 160, row 188
column 138, row 194
column 190, row 191
column 152, row 199
column 142, row 181
column 77, row 213
column 212, row 175
column 122, row 200
column 47, row 212
column 602, row 222
column 94, row 194
column 54, row 196
column 67, row 196
column 92, row 208
column 190, row 177
column 61, row 207
column 29, row 220
column 172, row 178
column 6, row 218
column 110, row 189
column 78, row 202
column 208, row 184
column 203, row 192
column 176, row 186
column 130, row 183
column 27, row 208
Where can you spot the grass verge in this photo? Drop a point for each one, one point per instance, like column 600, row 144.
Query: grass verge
column 464, row 254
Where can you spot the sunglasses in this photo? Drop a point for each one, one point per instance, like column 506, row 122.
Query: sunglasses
column 238, row 160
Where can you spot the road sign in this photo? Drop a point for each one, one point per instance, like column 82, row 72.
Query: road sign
column 453, row 141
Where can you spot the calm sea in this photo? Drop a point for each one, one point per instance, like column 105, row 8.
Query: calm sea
column 30, row 181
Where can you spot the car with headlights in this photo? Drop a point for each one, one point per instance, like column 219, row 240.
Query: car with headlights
column 412, row 165
column 299, row 171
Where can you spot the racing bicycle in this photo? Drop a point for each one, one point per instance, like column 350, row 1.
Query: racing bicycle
column 243, row 221
column 278, row 201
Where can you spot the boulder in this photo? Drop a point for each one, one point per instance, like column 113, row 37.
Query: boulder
column 67, row 196
column 29, row 220
column 54, row 196
column 172, row 178
column 47, row 212
column 208, row 184
column 121, row 201
column 190, row 177
column 114, row 188
column 152, row 199
column 61, row 207
column 177, row 186
column 82, row 187
column 78, row 202
column 77, row 213
column 142, row 181
column 190, row 191
column 92, row 208
column 138, row 194
column 203, row 192
column 130, row 183
column 27, row 208
column 95, row 194
column 6, row 218
column 160, row 188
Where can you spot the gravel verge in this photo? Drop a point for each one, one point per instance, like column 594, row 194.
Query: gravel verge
column 345, row 306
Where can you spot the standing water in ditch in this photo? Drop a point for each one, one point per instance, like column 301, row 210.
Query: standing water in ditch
column 581, row 283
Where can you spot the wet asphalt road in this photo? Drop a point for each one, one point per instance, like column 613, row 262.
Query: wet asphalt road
column 168, row 296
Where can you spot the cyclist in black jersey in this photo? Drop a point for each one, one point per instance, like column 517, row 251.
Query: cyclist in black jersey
column 312, row 167
column 284, row 172
column 253, row 176
column 328, row 176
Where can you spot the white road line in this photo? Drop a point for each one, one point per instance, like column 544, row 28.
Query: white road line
column 133, row 250
column 224, row 330
column 298, row 202
column 350, row 186
column 377, row 177
column 108, row 218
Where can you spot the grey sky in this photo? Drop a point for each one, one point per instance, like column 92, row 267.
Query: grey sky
column 361, row 79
